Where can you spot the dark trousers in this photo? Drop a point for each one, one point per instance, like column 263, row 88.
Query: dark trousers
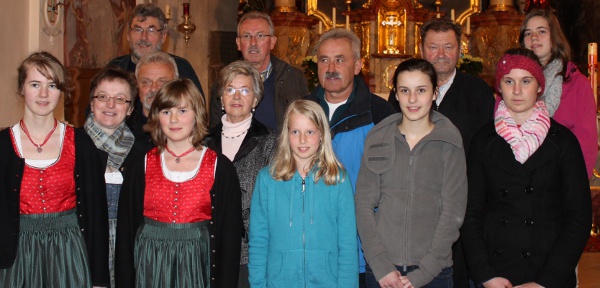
column 460, row 275
column 243, row 280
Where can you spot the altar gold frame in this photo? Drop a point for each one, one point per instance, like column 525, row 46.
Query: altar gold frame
column 473, row 9
column 313, row 11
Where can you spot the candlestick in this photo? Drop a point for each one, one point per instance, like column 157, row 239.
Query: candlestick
column 438, row 15
column 333, row 16
column 469, row 25
column 320, row 27
column 452, row 15
column 592, row 68
column 347, row 22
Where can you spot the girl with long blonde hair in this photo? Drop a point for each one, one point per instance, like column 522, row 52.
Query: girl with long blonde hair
column 302, row 212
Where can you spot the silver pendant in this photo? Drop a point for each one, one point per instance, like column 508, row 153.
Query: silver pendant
column 177, row 160
column 39, row 149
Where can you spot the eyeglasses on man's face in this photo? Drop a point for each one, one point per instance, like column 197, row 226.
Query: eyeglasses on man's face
column 230, row 91
column 259, row 37
column 118, row 99
column 150, row 31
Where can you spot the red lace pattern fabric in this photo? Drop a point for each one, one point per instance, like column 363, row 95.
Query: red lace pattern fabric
column 178, row 202
column 50, row 189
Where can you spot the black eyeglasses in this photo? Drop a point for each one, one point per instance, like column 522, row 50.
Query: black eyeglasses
column 118, row 99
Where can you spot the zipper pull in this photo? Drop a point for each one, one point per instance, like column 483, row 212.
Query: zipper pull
column 303, row 185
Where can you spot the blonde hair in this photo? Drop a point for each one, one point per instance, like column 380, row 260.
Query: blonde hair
column 328, row 167
column 172, row 95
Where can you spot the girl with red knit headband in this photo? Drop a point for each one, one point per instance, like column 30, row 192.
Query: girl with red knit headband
column 529, row 208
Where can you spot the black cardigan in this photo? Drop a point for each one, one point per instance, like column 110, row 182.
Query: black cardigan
column 92, row 211
column 225, row 224
column 531, row 221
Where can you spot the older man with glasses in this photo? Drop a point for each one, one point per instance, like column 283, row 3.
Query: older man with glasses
column 147, row 32
column 283, row 83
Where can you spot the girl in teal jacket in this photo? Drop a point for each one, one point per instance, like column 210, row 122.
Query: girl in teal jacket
column 302, row 219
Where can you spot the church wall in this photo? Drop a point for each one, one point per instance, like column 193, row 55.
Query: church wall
column 22, row 20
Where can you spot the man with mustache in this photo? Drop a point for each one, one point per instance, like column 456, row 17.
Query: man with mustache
column 147, row 32
column 152, row 71
column 346, row 98
column 283, row 83
column 465, row 99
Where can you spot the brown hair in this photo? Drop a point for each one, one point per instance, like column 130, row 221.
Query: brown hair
column 48, row 66
column 143, row 11
column 561, row 49
column 172, row 95
column 112, row 73
column 441, row 25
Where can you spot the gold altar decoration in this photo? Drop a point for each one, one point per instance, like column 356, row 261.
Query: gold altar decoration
column 493, row 33
column 285, row 6
column 473, row 9
column 313, row 11
column 391, row 28
column 501, row 5
column 292, row 29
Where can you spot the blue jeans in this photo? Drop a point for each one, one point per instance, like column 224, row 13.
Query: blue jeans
column 442, row 280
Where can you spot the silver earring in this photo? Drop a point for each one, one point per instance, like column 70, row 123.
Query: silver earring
column 223, row 109
column 253, row 110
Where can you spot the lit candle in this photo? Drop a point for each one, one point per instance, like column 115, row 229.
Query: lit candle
column 452, row 15
column 469, row 25
column 168, row 12
column 333, row 16
column 347, row 22
column 320, row 27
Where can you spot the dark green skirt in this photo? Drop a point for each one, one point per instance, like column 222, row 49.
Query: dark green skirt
column 172, row 255
column 51, row 253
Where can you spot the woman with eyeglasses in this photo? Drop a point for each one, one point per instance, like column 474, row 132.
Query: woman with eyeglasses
column 243, row 139
column 113, row 92
column 53, row 212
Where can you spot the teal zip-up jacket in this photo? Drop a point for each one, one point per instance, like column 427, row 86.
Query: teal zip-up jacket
column 302, row 235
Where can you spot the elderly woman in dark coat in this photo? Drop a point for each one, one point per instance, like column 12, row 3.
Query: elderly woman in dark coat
column 529, row 209
column 243, row 139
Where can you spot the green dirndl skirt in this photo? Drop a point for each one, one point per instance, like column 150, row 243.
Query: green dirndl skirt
column 172, row 255
column 51, row 253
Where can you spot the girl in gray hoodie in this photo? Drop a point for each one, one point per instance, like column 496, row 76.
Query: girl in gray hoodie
column 411, row 191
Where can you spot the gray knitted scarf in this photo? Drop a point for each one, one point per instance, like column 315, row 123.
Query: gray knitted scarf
column 116, row 145
column 553, row 89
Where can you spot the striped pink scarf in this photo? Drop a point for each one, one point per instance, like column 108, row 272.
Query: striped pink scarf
column 524, row 140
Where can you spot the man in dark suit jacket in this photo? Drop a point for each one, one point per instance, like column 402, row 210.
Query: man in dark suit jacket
column 147, row 32
column 465, row 99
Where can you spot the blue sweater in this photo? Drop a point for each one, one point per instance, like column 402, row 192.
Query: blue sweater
column 302, row 239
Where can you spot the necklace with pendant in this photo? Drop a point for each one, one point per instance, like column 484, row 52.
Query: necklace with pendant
column 39, row 146
column 178, row 157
